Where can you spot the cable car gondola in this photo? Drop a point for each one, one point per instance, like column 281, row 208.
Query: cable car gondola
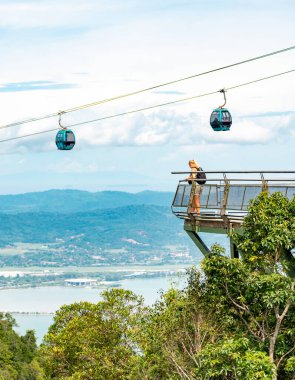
column 65, row 138
column 220, row 119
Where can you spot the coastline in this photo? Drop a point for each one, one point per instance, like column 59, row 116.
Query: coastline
column 29, row 312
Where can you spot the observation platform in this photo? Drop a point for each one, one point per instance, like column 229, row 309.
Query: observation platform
column 225, row 199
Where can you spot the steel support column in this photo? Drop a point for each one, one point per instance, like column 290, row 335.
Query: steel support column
column 190, row 229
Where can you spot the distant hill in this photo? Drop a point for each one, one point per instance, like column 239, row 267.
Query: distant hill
column 129, row 234
column 72, row 227
column 150, row 224
column 71, row 201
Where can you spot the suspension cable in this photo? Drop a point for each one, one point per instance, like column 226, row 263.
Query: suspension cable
column 150, row 107
column 179, row 100
column 81, row 107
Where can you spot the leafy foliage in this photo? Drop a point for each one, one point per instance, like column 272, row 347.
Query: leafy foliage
column 234, row 359
column 18, row 354
column 269, row 234
column 94, row 341
column 228, row 323
column 173, row 333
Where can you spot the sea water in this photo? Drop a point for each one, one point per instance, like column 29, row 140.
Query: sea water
column 34, row 308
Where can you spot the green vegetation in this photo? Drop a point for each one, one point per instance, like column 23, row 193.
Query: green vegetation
column 95, row 341
column 269, row 234
column 28, row 280
column 127, row 235
column 18, row 354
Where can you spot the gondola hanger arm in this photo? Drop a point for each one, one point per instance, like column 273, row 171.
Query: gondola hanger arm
column 59, row 120
column 223, row 92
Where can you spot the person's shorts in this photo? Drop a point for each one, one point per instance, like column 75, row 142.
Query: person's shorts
column 198, row 190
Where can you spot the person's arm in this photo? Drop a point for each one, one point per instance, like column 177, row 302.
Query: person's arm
column 191, row 176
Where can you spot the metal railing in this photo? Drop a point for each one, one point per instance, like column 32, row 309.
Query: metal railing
column 227, row 196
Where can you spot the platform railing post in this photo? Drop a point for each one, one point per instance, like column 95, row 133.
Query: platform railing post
column 264, row 183
column 225, row 195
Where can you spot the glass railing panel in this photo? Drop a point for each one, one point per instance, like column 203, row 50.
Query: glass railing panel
column 290, row 192
column 251, row 193
column 235, row 197
column 179, row 195
column 186, row 196
column 273, row 189
column 210, row 196
column 239, row 195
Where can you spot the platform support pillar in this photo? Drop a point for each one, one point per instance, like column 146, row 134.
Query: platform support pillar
column 190, row 229
column 234, row 253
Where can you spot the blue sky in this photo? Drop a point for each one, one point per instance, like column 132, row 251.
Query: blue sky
column 59, row 54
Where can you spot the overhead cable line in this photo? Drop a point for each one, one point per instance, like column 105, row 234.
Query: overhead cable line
column 179, row 100
column 143, row 109
column 17, row 123
column 179, row 80
column 78, row 108
column 29, row 135
column 150, row 107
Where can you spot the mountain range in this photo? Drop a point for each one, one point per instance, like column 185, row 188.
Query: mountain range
column 68, row 201
column 72, row 227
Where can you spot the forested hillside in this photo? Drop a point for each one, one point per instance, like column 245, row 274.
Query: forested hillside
column 130, row 234
column 152, row 225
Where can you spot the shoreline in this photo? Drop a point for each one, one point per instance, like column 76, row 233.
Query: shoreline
column 47, row 300
column 29, row 312
column 101, row 284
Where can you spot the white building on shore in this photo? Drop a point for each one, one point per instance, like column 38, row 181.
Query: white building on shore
column 80, row 282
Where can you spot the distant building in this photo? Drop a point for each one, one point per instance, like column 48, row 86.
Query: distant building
column 80, row 282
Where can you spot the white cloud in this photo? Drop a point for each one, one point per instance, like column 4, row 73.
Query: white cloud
column 157, row 128
column 130, row 45
column 244, row 132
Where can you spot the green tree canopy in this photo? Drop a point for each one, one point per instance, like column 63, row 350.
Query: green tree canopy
column 268, row 236
column 94, row 341
column 18, row 354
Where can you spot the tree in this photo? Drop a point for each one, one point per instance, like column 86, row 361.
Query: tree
column 268, row 236
column 233, row 359
column 254, row 305
column 18, row 354
column 215, row 328
column 173, row 332
column 94, row 341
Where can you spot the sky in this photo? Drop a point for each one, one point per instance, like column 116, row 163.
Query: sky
column 60, row 54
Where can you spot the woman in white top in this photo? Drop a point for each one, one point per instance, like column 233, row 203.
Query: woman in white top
column 194, row 166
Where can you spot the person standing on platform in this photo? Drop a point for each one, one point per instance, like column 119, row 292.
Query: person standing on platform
column 197, row 186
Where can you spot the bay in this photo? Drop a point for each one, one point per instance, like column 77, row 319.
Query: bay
column 35, row 307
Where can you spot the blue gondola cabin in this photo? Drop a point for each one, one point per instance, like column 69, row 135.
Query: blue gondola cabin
column 65, row 139
column 221, row 119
